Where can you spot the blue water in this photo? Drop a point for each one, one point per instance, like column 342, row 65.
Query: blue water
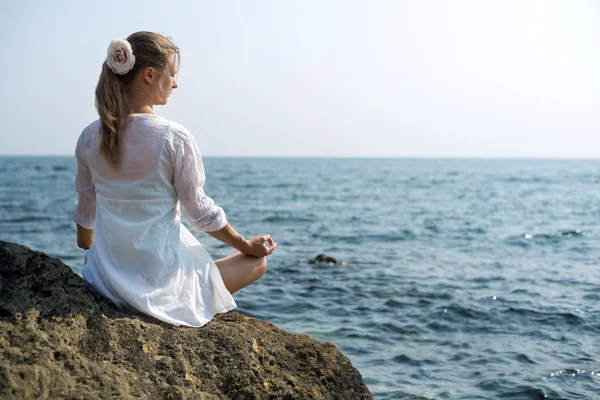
column 463, row 279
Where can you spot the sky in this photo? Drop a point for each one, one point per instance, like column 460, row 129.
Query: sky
column 321, row 78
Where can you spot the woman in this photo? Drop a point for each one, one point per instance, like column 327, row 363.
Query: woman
column 135, row 172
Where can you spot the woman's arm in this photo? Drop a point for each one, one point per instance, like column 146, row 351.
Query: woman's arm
column 188, row 179
column 259, row 246
column 85, row 237
column 84, row 209
column 200, row 210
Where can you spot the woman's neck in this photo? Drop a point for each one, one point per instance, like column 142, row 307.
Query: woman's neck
column 139, row 101
column 141, row 108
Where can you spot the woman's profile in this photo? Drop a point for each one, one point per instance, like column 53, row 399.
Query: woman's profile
column 135, row 172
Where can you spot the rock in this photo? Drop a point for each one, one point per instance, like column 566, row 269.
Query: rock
column 322, row 258
column 61, row 339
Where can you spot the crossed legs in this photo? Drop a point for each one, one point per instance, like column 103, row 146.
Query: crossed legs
column 239, row 270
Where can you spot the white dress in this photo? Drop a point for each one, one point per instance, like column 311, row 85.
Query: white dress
column 143, row 258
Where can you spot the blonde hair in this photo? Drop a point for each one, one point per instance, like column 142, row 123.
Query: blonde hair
column 150, row 50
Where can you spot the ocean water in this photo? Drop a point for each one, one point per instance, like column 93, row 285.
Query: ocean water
column 461, row 279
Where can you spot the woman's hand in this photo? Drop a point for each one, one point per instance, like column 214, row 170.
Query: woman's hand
column 260, row 246
column 85, row 237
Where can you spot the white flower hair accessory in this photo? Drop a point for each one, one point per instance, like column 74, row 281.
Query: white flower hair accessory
column 119, row 57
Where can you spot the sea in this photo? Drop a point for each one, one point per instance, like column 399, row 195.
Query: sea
column 456, row 278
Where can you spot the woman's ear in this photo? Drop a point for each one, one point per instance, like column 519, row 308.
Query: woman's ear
column 149, row 74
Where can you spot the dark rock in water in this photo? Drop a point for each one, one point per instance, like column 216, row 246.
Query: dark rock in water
column 322, row 258
column 61, row 339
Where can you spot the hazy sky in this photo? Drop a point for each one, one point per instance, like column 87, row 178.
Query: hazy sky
column 322, row 78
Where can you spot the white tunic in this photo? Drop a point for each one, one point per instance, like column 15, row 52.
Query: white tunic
column 143, row 258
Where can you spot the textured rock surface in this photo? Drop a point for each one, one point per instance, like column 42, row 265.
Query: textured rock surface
column 60, row 339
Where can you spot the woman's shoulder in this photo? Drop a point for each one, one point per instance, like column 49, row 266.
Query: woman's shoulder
column 88, row 132
column 93, row 126
column 178, row 131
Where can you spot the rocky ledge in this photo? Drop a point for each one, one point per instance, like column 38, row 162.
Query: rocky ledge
column 60, row 339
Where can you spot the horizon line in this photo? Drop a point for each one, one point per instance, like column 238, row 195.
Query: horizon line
column 352, row 157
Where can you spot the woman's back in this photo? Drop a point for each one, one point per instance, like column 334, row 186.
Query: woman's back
column 144, row 141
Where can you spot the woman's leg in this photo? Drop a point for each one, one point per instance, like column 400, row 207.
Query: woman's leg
column 239, row 270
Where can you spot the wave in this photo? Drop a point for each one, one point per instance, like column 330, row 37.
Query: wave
column 26, row 219
column 290, row 219
column 543, row 239
column 399, row 236
column 549, row 318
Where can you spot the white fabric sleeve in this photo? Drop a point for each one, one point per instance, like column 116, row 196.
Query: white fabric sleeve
column 84, row 209
column 188, row 178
